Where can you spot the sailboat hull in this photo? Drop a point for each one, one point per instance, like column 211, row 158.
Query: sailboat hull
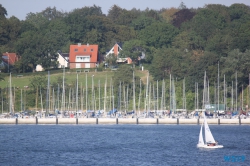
column 209, row 147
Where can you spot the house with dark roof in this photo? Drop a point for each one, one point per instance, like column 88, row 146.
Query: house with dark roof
column 63, row 60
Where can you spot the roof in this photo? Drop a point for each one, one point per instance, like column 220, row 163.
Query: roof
column 10, row 58
column 64, row 56
column 84, row 50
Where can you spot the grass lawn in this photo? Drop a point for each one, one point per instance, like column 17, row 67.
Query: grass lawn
column 70, row 77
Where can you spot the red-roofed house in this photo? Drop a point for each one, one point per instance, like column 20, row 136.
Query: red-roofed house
column 10, row 58
column 83, row 56
column 115, row 50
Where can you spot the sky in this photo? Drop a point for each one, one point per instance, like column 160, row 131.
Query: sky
column 20, row 8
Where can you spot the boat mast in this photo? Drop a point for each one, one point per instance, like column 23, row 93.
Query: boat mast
column 134, row 107
column 63, row 94
column 11, row 110
column 76, row 95
column 184, row 96
column 99, row 95
column 232, row 96
column 47, row 95
column 236, row 98
column 224, row 93
column 139, row 102
column 86, row 93
column 157, row 93
column 218, row 83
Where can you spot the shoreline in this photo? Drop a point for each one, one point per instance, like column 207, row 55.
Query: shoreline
column 117, row 121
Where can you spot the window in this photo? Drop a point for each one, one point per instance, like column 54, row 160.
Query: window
column 80, row 58
column 76, row 49
column 91, row 49
column 78, row 65
column 84, row 49
column 87, row 65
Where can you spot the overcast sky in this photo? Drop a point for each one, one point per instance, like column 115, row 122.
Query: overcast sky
column 20, row 8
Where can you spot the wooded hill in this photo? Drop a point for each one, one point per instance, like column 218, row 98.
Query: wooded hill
column 178, row 41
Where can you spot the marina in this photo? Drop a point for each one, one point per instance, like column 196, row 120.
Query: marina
column 82, row 121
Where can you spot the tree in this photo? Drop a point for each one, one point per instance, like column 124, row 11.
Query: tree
column 182, row 6
column 133, row 49
column 114, row 13
column 169, row 14
column 38, row 81
column 142, row 22
column 124, row 74
column 4, row 26
column 111, row 59
column 3, row 12
column 158, row 34
column 169, row 61
column 181, row 16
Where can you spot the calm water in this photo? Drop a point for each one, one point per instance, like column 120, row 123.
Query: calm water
column 136, row 145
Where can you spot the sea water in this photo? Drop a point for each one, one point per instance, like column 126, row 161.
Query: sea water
column 135, row 145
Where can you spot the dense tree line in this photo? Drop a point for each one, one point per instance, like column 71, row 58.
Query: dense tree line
column 178, row 41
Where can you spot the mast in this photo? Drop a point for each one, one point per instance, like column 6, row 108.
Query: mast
column 63, row 93
column 134, row 108
column 184, row 96
column 224, row 93
column 47, row 95
column 58, row 99
column 157, row 93
column 218, row 93
column 119, row 101
column 146, row 102
column 105, row 94
column 162, row 95
column 139, row 102
column 10, row 98
column 232, row 96
column 99, row 95
column 93, row 98
column 236, row 93
column 41, row 101
column 170, row 94
column 86, row 93
column 21, row 100
column 77, row 95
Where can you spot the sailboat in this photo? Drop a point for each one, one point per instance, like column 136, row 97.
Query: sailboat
column 210, row 142
column 209, row 139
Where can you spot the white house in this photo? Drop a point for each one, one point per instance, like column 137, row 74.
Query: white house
column 63, row 60
column 114, row 50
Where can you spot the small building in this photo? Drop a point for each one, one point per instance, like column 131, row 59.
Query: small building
column 63, row 60
column 116, row 50
column 39, row 68
column 9, row 59
column 83, row 56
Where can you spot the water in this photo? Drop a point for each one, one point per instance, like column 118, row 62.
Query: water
column 135, row 145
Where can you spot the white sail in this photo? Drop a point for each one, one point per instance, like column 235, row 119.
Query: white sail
column 201, row 142
column 208, row 135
